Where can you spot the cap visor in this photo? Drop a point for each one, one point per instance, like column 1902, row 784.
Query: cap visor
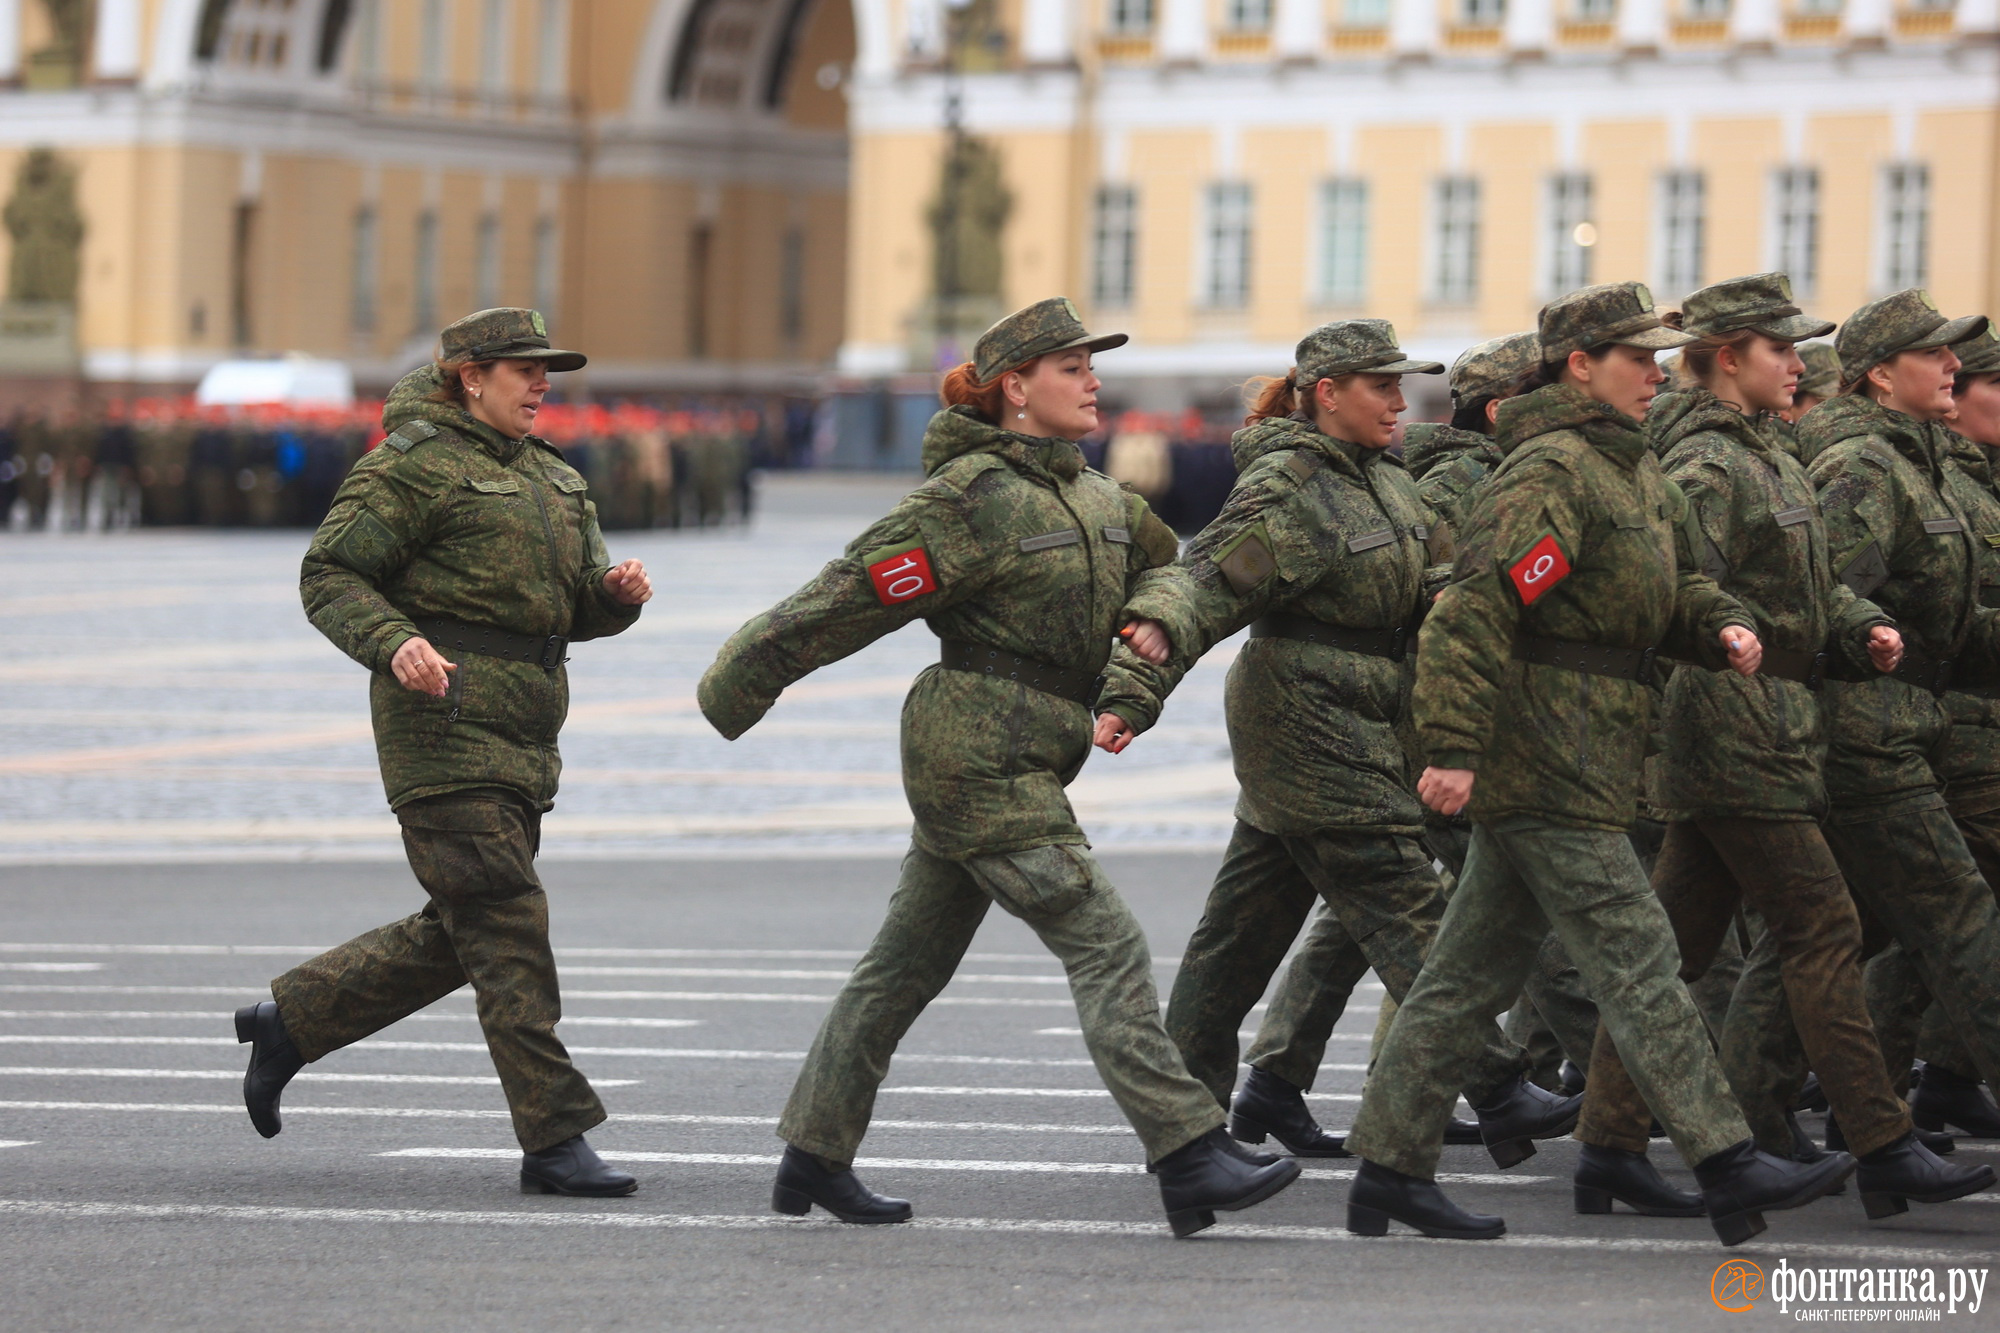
column 565, row 360
column 1951, row 331
column 1405, row 368
column 1655, row 340
column 1795, row 328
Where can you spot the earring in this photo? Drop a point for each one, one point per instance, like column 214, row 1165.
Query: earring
column 1021, row 416
column 478, row 393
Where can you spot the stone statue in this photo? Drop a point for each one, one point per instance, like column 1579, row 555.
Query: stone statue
column 966, row 220
column 47, row 230
column 60, row 64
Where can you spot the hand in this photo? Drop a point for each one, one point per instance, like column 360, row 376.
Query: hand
column 1148, row 638
column 420, row 667
column 628, row 584
column 1746, row 654
column 1446, row 790
column 1113, row 733
column 1885, row 648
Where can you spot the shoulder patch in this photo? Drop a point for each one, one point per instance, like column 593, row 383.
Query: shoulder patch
column 1247, row 561
column 1865, row 570
column 1300, row 461
column 900, row 573
column 1541, row 568
column 409, row 435
column 365, row 544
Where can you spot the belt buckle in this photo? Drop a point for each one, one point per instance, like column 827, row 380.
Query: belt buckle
column 552, row 652
column 1941, row 679
column 1399, row 640
column 1816, row 672
column 1645, row 673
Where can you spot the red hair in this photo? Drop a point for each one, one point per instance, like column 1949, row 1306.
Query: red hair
column 963, row 388
column 1270, row 396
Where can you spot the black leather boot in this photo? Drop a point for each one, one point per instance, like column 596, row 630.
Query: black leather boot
column 1894, row 1174
column 1381, row 1195
column 1519, row 1113
column 1944, row 1097
column 1463, row 1133
column 1811, row 1096
column 804, row 1180
column 1740, row 1184
column 573, row 1167
column 1939, row 1143
column 1805, row 1150
column 273, row 1061
column 1207, row 1176
column 1573, row 1081
column 1604, row 1174
column 1268, row 1107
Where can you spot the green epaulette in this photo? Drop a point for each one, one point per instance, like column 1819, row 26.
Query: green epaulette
column 409, row 435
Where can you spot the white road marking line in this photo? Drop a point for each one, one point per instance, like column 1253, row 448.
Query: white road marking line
column 702, row 997
column 621, row 1118
column 1067, row 1092
column 1001, row 1166
column 480, row 1048
column 48, row 1071
column 51, row 967
column 1231, row 1230
column 777, row 974
column 17, row 1143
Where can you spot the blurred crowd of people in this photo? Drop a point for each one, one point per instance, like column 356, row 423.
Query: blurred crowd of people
column 169, row 462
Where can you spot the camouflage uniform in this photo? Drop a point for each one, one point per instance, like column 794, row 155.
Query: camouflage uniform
column 1570, row 557
column 1900, row 533
column 1020, row 558
column 1739, row 780
column 448, row 520
column 1322, row 544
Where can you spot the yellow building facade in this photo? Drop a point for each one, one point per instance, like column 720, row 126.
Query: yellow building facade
column 1218, row 176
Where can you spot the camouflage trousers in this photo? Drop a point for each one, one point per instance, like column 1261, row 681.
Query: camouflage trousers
column 1785, row 872
column 487, row 922
column 1523, row 877
column 1383, row 902
column 1062, row 895
column 1921, row 891
column 1977, row 814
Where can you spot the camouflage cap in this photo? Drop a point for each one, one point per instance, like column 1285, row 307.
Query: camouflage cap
column 1822, row 375
column 1905, row 322
column 1354, row 346
column 505, row 331
column 1046, row 326
column 1611, row 312
column 1495, row 366
column 1979, row 354
column 1761, row 303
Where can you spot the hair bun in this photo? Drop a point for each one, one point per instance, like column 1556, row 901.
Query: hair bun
column 1673, row 319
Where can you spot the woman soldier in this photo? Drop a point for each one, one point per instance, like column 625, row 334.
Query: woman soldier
column 1321, row 550
column 459, row 561
column 1020, row 558
column 1739, row 780
column 1533, row 704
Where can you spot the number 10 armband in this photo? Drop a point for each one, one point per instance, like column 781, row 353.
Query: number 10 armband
column 901, row 573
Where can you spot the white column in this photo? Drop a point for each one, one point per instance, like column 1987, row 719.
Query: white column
column 1048, row 32
column 1413, row 27
column 1978, row 15
column 1642, row 22
column 1298, row 30
column 115, row 54
column 1869, row 18
column 1755, row 20
column 10, row 39
column 874, row 40
column 1183, row 30
column 923, row 29
column 1530, row 25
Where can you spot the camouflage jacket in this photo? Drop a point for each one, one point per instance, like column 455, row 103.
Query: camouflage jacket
column 1579, row 484
column 1316, row 528
column 449, row 518
column 1735, row 746
column 1970, row 758
column 1898, row 533
column 1013, row 544
column 1448, row 464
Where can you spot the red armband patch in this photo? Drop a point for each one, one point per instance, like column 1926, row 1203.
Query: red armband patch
column 901, row 575
column 1542, row 568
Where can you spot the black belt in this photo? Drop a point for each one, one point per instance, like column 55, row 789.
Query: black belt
column 544, row 651
column 982, row 660
column 1808, row 669
column 1925, row 670
column 1389, row 643
column 1594, row 659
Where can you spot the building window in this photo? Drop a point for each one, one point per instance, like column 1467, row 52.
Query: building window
column 1343, row 242
column 368, row 41
column 1364, row 13
column 1114, row 246
column 362, row 298
column 1705, row 9
column 1247, row 15
column 792, row 286
column 1571, row 233
column 1817, row 7
column 1131, row 16
column 1594, row 11
column 1228, row 233
column 1682, row 224
column 497, row 25
column 423, row 306
column 552, row 48
column 486, row 263
column 1906, row 224
column 1482, row 13
column 432, row 53
column 1795, row 226
column 548, row 267
column 1455, row 241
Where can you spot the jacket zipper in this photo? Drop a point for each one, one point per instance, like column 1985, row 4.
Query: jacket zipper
column 549, row 531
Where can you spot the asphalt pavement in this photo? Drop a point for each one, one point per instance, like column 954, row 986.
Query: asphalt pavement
column 136, row 1195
